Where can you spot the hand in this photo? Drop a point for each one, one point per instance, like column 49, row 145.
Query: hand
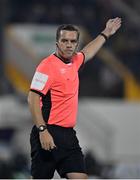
column 112, row 26
column 46, row 140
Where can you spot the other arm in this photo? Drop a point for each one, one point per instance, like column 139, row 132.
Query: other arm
column 94, row 46
column 46, row 139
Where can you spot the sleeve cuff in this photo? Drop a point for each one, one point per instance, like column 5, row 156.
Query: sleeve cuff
column 37, row 92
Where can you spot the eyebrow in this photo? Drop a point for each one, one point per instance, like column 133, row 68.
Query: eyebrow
column 72, row 40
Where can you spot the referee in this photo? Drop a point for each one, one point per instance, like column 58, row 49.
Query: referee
column 53, row 102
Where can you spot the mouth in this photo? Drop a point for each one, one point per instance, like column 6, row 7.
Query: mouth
column 69, row 51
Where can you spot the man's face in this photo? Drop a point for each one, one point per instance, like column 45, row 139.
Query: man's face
column 67, row 43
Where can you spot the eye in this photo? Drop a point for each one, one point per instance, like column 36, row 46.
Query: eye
column 64, row 40
column 74, row 41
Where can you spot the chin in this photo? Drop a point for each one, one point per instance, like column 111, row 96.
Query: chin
column 68, row 56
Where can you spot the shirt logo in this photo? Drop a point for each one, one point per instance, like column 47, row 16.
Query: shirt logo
column 39, row 81
column 63, row 70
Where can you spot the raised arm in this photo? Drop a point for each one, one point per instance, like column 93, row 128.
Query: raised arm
column 94, row 46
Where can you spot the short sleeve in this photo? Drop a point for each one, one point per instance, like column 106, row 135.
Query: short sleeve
column 42, row 79
column 78, row 59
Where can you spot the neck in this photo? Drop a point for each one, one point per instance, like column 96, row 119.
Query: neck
column 65, row 60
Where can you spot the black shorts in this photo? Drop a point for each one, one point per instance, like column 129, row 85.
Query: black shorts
column 66, row 158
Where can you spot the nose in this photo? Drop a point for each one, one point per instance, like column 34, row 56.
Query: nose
column 69, row 44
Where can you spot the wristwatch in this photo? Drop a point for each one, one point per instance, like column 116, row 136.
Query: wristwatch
column 41, row 128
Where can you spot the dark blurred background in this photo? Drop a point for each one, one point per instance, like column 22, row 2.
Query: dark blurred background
column 114, row 74
column 98, row 79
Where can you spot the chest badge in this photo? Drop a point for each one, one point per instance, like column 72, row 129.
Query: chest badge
column 63, row 70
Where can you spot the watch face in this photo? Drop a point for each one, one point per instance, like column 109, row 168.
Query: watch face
column 42, row 128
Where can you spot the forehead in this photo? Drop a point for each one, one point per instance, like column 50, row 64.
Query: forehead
column 65, row 34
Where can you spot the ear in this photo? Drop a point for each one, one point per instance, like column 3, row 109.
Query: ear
column 56, row 44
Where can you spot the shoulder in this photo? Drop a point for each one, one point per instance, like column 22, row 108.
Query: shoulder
column 48, row 60
column 46, row 64
column 79, row 55
column 78, row 59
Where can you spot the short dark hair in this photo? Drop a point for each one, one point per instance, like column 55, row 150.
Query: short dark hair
column 67, row 27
